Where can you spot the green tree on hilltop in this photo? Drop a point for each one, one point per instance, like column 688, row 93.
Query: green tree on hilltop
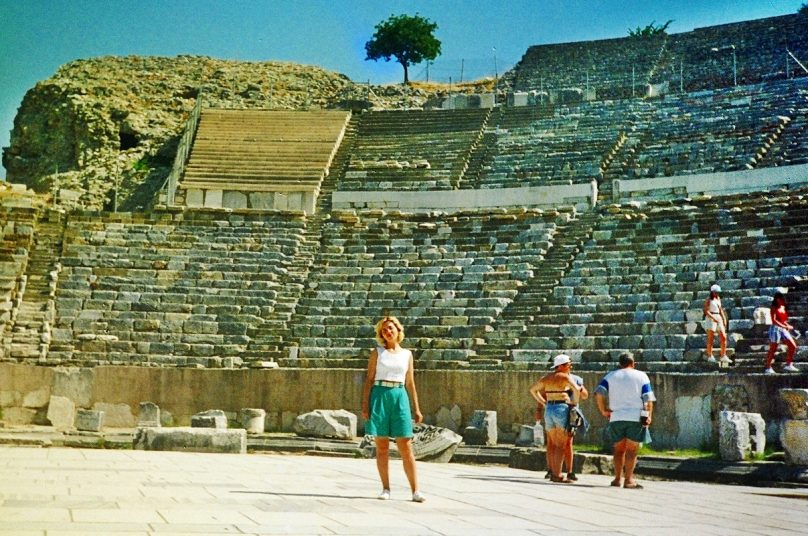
column 649, row 30
column 408, row 39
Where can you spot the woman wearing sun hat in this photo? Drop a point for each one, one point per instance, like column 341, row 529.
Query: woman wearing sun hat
column 551, row 392
column 715, row 321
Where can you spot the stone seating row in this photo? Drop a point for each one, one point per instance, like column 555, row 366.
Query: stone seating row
column 605, row 65
column 412, row 151
column 449, row 298
column 759, row 53
column 225, row 279
column 674, row 303
column 263, row 150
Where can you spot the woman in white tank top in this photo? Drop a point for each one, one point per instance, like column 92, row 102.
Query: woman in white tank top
column 386, row 406
column 715, row 321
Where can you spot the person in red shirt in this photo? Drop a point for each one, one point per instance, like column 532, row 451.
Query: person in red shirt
column 780, row 332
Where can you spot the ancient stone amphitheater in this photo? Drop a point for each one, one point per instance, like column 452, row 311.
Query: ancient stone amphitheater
column 586, row 217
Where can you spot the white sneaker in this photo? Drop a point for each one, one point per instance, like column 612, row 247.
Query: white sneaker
column 417, row 496
column 790, row 368
column 725, row 361
column 711, row 359
column 384, row 495
column 769, row 371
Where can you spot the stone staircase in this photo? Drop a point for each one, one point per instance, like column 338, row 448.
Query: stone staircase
column 17, row 223
column 274, row 344
column 31, row 333
column 503, row 343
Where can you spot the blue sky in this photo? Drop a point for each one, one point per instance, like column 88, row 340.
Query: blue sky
column 40, row 35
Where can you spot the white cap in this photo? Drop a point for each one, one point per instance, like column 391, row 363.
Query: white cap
column 715, row 288
column 561, row 359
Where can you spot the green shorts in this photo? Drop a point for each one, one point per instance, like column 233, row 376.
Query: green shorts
column 390, row 414
column 619, row 430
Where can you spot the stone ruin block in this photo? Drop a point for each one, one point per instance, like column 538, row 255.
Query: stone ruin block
column 434, row 444
column 449, row 418
column 149, row 416
column 794, row 429
column 191, row 440
column 794, row 403
column 740, row 434
column 89, row 420
column 253, row 420
column 794, row 438
column 326, row 423
column 518, row 98
column 530, row 436
column 212, row 418
column 487, row 100
column 61, row 412
column 482, row 429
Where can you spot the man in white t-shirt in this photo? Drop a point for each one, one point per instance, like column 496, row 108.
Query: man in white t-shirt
column 631, row 405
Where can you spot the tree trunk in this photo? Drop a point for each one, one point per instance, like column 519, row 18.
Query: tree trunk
column 406, row 73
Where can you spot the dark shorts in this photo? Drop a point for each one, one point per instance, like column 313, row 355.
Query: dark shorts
column 390, row 414
column 619, row 430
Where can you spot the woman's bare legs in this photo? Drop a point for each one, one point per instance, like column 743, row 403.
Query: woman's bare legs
column 382, row 460
column 404, row 445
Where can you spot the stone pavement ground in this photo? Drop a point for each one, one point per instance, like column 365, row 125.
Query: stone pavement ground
column 61, row 491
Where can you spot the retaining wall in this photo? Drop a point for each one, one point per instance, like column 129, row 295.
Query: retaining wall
column 685, row 416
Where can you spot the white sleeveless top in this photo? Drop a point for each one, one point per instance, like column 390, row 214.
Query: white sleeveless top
column 391, row 365
column 715, row 306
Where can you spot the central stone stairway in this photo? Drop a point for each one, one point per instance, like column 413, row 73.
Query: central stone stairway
column 503, row 342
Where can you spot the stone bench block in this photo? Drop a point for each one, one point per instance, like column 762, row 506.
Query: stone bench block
column 61, row 412
column 253, row 420
column 212, row 418
column 89, row 420
column 794, row 403
column 794, row 438
column 187, row 439
column 530, row 436
column 339, row 424
column 434, row 444
column 482, row 428
column 740, row 434
column 149, row 415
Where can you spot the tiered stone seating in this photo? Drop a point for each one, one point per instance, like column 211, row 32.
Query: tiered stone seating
column 681, row 59
column 605, row 65
column 446, row 276
column 176, row 289
column 263, row 150
column 792, row 147
column 563, row 145
column 412, row 150
column 760, row 50
column 724, row 130
column 640, row 283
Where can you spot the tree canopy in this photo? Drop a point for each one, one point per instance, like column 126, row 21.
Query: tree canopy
column 408, row 39
column 649, row 30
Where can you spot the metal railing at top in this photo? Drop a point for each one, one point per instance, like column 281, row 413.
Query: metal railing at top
column 183, row 152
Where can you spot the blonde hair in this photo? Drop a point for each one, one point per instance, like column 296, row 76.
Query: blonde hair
column 380, row 324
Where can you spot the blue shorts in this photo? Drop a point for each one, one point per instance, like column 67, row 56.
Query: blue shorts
column 556, row 416
column 390, row 414
column 779, row 335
